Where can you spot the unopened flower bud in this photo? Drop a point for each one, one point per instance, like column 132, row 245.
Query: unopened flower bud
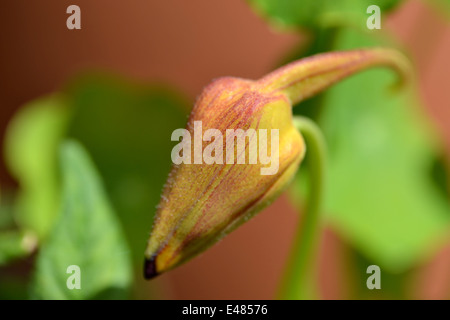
column 239, row 151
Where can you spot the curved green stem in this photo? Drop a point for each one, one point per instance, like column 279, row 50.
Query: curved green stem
column 299, row 276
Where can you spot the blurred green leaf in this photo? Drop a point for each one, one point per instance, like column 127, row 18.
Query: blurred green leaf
column 14, row 244
column 381, row 195
column 127, row 129
column 13, row 287
column 31, row 141
column 86, row 234
column 313, row 14
column 442, row 6
column 6, row 211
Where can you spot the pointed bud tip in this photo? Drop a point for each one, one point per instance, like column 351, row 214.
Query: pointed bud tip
column 150, row 269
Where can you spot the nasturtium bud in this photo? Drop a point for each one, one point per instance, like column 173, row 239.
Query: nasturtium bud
column 216, row 185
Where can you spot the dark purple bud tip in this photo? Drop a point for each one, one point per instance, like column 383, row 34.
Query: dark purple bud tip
column 150, row 268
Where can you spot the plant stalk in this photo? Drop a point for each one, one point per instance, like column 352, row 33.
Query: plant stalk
column 298, row 282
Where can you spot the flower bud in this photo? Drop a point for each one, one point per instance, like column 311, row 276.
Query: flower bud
column 239, row 151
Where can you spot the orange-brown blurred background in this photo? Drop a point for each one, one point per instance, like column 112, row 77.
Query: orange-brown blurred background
column 186, row 44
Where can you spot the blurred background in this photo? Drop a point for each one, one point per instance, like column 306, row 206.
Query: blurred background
column 137, row 67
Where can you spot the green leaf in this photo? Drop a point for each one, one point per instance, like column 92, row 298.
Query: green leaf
column 381, row 194
column 313, row 14
column 15, row 245
column 14, row 287
column 31, row 141
column 127, row 129
column 442, row 6
column 6, row 211
column 87, row 234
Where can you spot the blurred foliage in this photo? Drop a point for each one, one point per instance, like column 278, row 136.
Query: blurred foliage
column 442, row 6
column 6, row 211
column 31, row 140
column 121, row 124
column 86, row 234
column 383, row 195
column 14, row 287
column 127, row 129
column 317, row 14
column 15, row 244
column 382, row 148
